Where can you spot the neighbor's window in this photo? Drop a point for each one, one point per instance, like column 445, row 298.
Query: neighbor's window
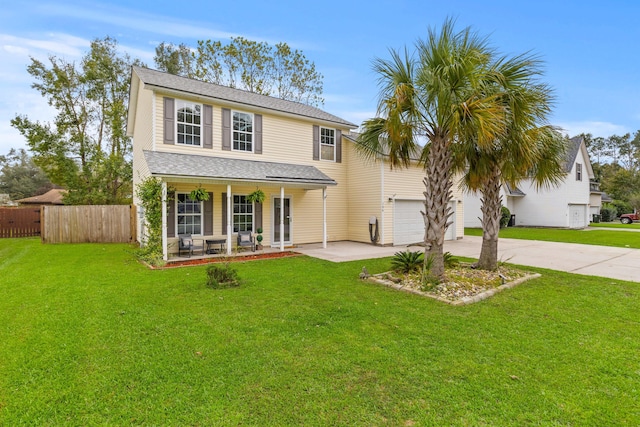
column 242, row 131
column 327, row 144
column 189, row 214
column 188, row 121
column 242, row 214
column 578, row 172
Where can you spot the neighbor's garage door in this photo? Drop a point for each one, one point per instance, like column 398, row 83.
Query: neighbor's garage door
column 408, row 224
column 578, row 216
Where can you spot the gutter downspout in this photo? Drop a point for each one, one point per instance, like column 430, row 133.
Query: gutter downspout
column 229, row 219
column 324, row 217
column 382, row 201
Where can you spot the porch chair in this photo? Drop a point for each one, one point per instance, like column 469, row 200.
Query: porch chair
column 186, row 243
column 246, row 239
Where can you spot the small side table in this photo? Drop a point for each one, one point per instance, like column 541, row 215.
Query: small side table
column 212, row 242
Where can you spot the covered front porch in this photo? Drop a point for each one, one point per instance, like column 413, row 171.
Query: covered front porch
column 291, row 191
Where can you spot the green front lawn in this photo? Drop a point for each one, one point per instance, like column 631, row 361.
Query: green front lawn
column 587, row 237
column 632, row 226
column 89, row 336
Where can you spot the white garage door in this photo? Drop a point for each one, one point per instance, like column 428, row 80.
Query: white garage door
column 408, row 224
column 578, row 216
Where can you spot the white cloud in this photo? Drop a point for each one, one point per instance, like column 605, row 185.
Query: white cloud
column 128, row 18
column 595, row 128
column 53, row 44
column 356, row 117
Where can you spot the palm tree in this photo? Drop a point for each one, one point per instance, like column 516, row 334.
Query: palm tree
column 437, row 96
column 528, row 147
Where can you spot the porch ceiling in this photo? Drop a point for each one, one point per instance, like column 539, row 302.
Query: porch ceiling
column 224, row 170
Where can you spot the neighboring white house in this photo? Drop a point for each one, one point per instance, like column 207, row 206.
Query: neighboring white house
column 568, row 205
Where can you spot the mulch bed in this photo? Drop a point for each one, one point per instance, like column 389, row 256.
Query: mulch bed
column 240, row 258
column 463, row 285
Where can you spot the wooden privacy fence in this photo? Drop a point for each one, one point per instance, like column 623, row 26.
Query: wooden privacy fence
column 88, row 224
column 19, row 222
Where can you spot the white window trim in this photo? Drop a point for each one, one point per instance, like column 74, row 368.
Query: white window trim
column 321, row 144
column 178, row 214
column 233, row 214
column 181, row 103
column 578, row 171
column 253, row 131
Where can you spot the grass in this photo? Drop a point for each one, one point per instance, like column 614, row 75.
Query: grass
column 632, row 226
column 89, row 336
column 587, row 237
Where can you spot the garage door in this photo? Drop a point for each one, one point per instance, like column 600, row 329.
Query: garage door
column 408, row 224
column 578, row 216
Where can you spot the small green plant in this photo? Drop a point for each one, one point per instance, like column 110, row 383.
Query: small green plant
column 429, row 281
column 199, row 194
column 505, row 217
column 257, row 196
column 407, row 261
column 450, row 261
column 222, row 276
column 259, row 236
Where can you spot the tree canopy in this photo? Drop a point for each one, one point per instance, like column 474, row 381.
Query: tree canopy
column 274, row 70
column 85, row 148
column 616, row 165
column 436, row 94
column 20, row 177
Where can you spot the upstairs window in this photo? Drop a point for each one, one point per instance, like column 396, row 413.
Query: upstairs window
column 242, row 131
column 327, row 144
column 188, row 130
column 578, row 172
column 189, row 214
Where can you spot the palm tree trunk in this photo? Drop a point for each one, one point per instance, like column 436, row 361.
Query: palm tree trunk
column 437, row 195
column 491, row 213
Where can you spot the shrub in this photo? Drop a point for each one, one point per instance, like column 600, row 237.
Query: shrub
column 222, row 276
column 622, row 207
column 407, row 261
column 505, row 216
column 607, row 213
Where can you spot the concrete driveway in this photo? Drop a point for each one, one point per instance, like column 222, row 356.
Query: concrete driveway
column 604, row 261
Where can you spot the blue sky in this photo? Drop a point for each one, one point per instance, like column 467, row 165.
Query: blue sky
column 591, row 49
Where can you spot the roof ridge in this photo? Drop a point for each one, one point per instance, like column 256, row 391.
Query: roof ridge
column 235, row 95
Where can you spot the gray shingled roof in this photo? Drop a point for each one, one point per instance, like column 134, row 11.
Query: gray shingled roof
column 516, row 192
column 237, row 96
column 194, row 166
column 573, row 146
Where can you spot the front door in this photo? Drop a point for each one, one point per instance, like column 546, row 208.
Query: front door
column 287, row 220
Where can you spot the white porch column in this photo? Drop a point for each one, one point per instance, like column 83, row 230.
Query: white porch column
column 281, row 218
column 324, row 217
column 382, row 202
column 229, row 218
column 165, row 253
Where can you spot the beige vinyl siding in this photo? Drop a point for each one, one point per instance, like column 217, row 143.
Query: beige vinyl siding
column 306, row 212
column 142, row 140
column 364, row 194
column 142, row 136
column 284, row 139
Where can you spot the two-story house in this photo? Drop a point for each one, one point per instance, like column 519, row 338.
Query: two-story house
column 567, row 205
column 230, row 142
